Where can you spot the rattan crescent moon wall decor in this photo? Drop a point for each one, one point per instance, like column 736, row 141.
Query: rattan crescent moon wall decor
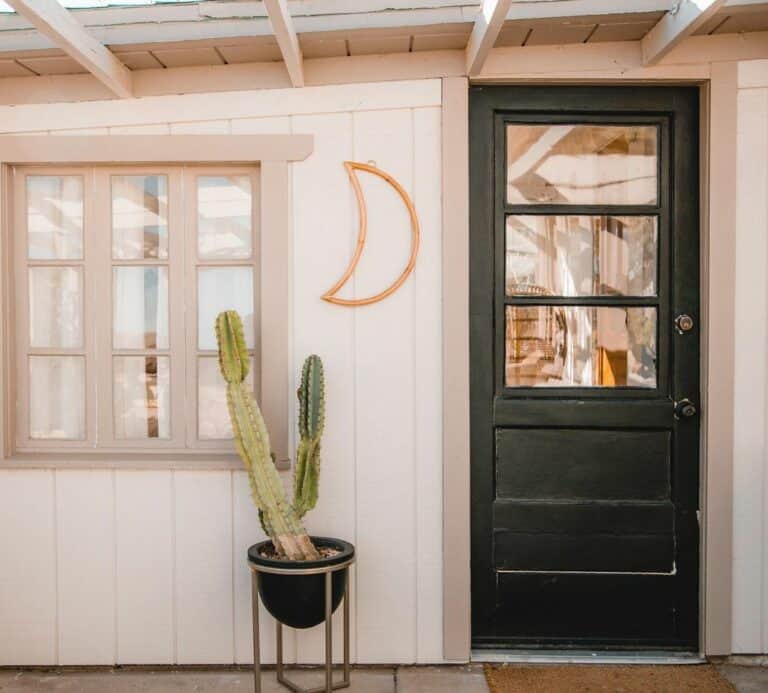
column 330, row 295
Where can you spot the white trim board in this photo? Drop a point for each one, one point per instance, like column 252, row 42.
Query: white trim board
column 618, row 61
column 226, row 106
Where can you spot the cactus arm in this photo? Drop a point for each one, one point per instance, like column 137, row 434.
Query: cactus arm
column 252, row 443
column 311, row 395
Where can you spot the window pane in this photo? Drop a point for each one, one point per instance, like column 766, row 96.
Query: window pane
column 142, row 397
column 213, row 422
column 223, row 288
column 582, row 164
column 140, row 307
column 224, row 217
column 55, row 217
column 55, row 307
column 580, row 346
column 57, row 397
column 581, row 255
column 139, row 217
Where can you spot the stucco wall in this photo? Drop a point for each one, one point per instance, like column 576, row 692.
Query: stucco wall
column 750, row 526
column 102, row 566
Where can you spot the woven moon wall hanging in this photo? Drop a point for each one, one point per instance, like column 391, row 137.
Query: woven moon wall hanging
column 352, row 167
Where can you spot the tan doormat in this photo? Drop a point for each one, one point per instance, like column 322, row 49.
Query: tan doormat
column 596, row 678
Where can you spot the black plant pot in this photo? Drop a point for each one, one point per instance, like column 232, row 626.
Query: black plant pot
column 298, row 601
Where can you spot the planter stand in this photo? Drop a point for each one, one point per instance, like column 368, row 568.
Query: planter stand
column 330, row 685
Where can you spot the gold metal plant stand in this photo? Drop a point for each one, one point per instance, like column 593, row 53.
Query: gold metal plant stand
column 330, row 685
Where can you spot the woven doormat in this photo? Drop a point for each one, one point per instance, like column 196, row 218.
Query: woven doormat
column 595, row 678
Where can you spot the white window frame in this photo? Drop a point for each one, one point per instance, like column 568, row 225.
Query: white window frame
column 271, row 154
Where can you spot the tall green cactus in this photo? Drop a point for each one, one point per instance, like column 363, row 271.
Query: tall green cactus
column 279, row 517
column 311, row 396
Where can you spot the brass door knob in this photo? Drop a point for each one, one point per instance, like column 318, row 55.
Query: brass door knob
column 683, row 323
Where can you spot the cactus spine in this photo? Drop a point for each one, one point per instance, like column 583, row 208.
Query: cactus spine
column 252, row 440
column 311, row 396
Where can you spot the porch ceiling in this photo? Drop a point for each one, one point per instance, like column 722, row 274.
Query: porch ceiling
column 168, row 33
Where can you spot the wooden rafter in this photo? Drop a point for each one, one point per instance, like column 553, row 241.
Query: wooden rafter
column 58, row 25
column 282, row 26
column 488, row 24
column 677, row 24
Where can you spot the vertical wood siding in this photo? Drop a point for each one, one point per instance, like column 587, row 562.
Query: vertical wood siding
column 129, row 567
column 750, row 520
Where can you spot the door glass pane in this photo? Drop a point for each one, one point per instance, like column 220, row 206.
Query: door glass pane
column 213, row 422
column 224, row 217
column 55, row 217
column 581, row 256
column 56, row 307
column 223, row 288
column 57, row 397
column 580, row 346
column 582, row 164
column 140, row 307
column 139, row 217
column 142, row 397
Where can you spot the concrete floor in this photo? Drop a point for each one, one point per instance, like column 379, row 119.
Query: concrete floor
column 456, row 679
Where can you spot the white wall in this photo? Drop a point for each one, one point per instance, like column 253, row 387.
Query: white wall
column 102, row 566
column 106, row 566
column 750, row 528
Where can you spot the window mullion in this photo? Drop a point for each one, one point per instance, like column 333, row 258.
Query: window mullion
column 99, row 263
column 190, row 303
column 176, row 306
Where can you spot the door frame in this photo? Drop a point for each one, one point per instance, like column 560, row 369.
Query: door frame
column 717, row 186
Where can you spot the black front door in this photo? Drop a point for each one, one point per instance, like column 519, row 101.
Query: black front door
column 585, row 367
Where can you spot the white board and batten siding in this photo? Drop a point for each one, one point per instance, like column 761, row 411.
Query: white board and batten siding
column 141, row 566
column 750, row 520
column 129, row 566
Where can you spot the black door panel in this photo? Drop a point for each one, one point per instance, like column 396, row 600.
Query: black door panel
column 585, row 468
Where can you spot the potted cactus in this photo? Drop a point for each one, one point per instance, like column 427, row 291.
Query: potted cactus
column 295, row 600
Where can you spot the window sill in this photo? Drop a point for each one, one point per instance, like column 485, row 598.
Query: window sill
column 189, row 461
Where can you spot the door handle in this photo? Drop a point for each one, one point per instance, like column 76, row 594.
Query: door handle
column 685, row 409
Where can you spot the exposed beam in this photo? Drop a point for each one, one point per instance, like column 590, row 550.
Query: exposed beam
column 225, row 20
column 677, row 24
column 58, row 25
column 282, row 25
column 488, row 24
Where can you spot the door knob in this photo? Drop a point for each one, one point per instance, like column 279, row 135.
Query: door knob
column 683, row 323
column 684, row 408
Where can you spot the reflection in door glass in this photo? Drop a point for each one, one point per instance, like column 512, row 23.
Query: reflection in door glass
column 581, row 164
column 581, row 255
column 580, row 346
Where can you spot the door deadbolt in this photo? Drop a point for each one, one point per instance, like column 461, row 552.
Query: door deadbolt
column 685, row 409
column 683, row 323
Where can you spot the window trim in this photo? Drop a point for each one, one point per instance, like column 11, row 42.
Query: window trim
column 272, row 154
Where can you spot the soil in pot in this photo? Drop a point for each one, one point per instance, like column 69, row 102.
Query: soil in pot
column 298, row 601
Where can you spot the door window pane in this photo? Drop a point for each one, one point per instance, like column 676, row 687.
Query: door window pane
column 140, row 307
column 224, row 217
column 57, row 397
column 142, row 397
column 139, row 217
column 223, row 288
column 55, row 217
column 213, row 422
column 580, row 346
column 582, row 164
column 56, row 307
column 581, row 255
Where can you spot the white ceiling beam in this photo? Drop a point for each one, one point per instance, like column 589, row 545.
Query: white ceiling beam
column 60, row 27
column 285, row 33
column 488, row 24
column 677, row 24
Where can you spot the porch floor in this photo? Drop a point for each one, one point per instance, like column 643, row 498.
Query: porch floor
column 467, row 679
